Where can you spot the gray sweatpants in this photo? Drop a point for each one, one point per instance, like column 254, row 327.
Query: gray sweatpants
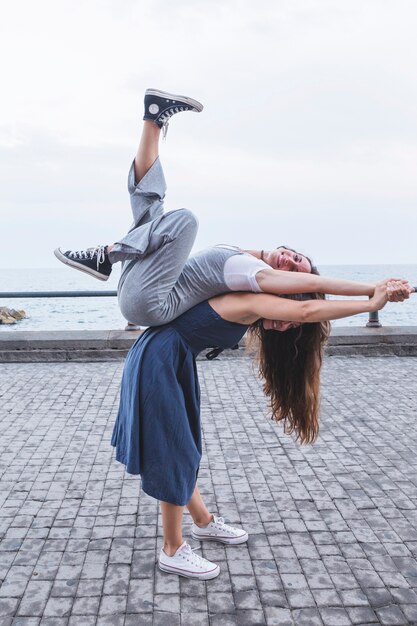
column 153, row 289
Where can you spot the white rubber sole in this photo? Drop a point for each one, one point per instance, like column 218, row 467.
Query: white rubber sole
column 232, row 541
column 196, row 575
column 61, row 257
column 171, row 96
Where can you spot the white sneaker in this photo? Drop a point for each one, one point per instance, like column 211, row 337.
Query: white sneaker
column 185, row 562
column 217, row 530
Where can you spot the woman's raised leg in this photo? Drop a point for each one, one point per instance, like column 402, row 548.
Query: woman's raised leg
column 146, row 155
column 146, row 187
column 148, row 149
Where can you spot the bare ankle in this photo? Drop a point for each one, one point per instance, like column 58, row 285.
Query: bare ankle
column 203, row 521
column 171, row 548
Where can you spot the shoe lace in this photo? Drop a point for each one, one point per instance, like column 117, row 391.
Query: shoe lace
column 189, row 554
column 166, row 116
column 220, row 521
column 90, row 253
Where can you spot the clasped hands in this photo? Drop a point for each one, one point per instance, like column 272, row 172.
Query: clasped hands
column 397, row 289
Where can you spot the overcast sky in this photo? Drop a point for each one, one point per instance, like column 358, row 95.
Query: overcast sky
column 308, row 136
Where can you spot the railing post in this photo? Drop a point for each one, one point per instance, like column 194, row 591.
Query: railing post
column 131, row 326
column 373, row 320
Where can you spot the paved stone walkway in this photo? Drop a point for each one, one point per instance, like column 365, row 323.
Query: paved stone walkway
column 333, row 527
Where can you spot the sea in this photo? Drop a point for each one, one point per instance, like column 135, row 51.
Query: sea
column 102, row 313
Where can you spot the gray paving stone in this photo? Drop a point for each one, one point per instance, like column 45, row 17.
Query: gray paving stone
column 110, row 620
column 410, row 611
column 167, row 602
column 335, row 617
column 89, row 588
column 391, row 615
column 278, row 617
column 166, row 619
column 327, row 597
column 300, row 598
column 362, row 615
column 141, row 619
column 85, row 620
column 268, row 583
column 193, row 604
column 223, row 620
column 113, row 605
column 13, row 588
column 140, row 596
column 378, row 597
column 192, row 588
column 45, row 567
column 250, row 617
column 240, row 567
column 93, row 570
column 64, row 588
column 341, row 581
column 274, row 598
column 220, row 602
column 35, row 598
column 86, row 606
column 246, row 599
column 243, row 583
column 353, row 597
column 368, row 578
column 194, row 619
column 117, row 579
column 143, row 563
column 307, row 617
column 58, row 607
column 68, row 572
column 404, row 595
column 170, row 583
column 294, row 581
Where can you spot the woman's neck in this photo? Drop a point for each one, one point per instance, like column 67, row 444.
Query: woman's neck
column 256, row 253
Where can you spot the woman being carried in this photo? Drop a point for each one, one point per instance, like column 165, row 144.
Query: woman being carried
column 159, row 280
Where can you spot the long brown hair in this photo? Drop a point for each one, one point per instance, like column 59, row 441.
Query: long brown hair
column 289, row 363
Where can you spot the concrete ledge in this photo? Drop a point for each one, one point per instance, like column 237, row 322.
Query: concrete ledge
column 70, row 345
column 110, row 345
column 384, row 341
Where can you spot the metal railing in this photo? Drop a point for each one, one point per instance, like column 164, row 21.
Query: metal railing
column 65, row 294
column 57, row 294
column 373, row 321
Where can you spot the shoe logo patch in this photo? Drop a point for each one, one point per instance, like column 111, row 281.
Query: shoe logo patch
column 154, row 109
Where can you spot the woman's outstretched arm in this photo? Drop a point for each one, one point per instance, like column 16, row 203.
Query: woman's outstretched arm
column 246, row 308
column 280, row 282
column 314, row 310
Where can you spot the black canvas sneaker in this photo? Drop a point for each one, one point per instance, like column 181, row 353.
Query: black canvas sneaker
column 94, row 261
column 160, row 106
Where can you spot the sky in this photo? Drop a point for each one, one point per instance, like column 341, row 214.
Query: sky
column 308, row 136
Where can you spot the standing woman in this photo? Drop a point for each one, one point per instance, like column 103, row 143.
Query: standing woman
column 158, row 433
